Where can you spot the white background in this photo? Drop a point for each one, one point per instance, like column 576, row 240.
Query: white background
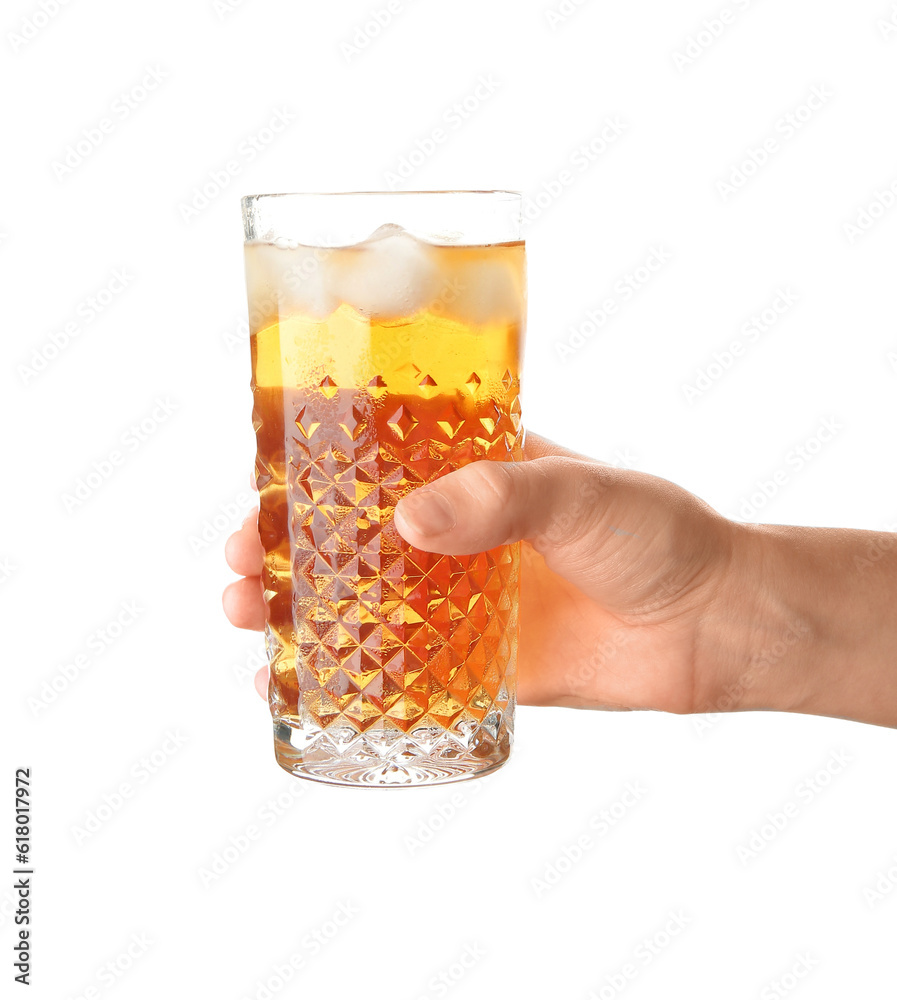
column 152, row 532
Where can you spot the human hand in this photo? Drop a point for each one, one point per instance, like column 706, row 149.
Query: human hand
column 635, row 594
column 619, row 568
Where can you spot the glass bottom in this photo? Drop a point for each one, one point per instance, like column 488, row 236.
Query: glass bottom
column 386, row 758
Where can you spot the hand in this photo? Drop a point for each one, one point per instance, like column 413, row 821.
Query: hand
column 636, row 594
column 618, row 568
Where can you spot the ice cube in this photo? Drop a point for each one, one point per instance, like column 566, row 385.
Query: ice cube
column 384, row 232
column 484, row 291
column 288, row 280
column 389, row 275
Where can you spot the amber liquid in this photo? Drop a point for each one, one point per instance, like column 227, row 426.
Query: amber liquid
column 352, row 412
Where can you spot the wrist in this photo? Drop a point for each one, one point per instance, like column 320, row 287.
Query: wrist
column 805, row 620
column 758, row 636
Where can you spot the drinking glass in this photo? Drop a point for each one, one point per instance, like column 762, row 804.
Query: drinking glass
column 386, row 336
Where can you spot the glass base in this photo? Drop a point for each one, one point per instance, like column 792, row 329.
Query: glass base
column 385, row 758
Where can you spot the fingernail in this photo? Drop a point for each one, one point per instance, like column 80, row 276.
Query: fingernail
column 426, row 512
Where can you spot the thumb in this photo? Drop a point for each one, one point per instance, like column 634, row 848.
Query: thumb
column 487, row 504
column 623, row 537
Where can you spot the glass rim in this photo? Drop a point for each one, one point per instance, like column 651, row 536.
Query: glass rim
column 345, row 218
column 496, row 192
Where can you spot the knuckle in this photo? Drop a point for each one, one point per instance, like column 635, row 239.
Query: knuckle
column 500, row 490
column 578, row 512
column 492, row 482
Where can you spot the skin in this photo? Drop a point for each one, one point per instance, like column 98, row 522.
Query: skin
column 635, row 594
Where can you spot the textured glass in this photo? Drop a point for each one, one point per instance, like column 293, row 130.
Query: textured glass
column 377, row 368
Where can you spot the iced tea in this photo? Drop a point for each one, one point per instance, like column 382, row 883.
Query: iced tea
column 378, row 367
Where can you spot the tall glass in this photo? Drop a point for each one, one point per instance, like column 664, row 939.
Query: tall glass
column 387, row 334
